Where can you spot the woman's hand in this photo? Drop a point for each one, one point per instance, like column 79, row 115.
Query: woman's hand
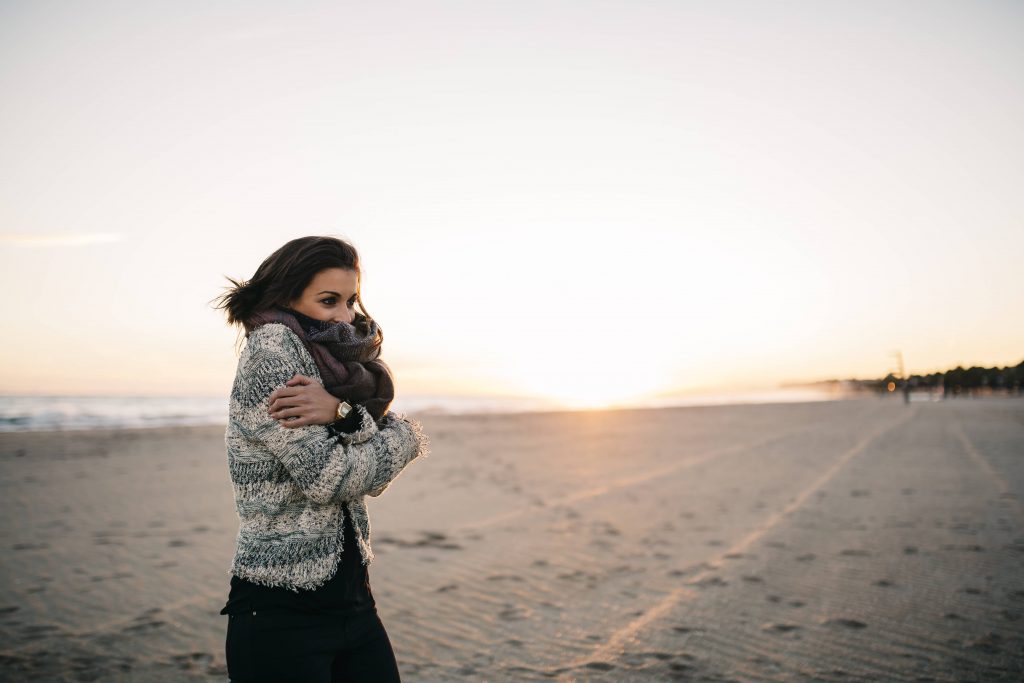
column 305, row 401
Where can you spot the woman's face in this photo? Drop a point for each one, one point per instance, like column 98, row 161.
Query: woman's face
column 330, row 296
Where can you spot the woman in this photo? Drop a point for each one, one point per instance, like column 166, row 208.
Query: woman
column 302, row 458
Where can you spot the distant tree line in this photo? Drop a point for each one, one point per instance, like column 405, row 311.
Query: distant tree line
column 960, row 381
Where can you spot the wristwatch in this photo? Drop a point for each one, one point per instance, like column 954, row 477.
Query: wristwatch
column 343, row 409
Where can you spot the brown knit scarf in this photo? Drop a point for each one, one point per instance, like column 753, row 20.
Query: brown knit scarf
column 347, row 356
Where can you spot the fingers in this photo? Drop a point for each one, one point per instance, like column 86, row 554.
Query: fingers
column 287, row 398
column 287, row 411
column 280, row 404
column 282, row 393
column 292, row 388
column 298, row 422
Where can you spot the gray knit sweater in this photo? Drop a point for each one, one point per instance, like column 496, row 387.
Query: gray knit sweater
column 290, row 483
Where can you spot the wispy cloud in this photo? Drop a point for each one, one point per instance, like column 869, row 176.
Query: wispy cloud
column 59, row 240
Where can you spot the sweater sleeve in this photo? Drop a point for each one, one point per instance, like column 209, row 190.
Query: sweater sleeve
column 326, row 468
column 383, row 478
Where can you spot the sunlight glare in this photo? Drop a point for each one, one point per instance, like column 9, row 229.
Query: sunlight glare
column 593, row 377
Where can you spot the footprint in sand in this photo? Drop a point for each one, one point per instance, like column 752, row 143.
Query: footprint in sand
column 854, row 552
column 661, row 656
column 845, row 623
column 910, row 550
column 37, row 631
column 679, row 668
column 884, row 583
column 709, row 582
column 30, row 546
column 752, row 578
column 971, row 548
column 429, row 539
column 990, row 643
column 860, row 493
column 777, row 627
column 143, row 624
column 513, row 612
column 447, row 587
column 192, row 660
column 806, row 557
column 689, row 571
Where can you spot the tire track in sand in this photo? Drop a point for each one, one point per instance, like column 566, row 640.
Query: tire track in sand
column 615, row 644
column 634, row 480
column 983, row 463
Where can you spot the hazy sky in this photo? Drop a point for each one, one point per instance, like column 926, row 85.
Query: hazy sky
column 566, row 199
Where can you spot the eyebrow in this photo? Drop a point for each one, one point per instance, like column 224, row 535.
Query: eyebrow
column 327, row 291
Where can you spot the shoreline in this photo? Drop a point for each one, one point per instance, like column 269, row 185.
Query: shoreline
column 431, row 413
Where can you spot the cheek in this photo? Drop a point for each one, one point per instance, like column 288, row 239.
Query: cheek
column 314, row 309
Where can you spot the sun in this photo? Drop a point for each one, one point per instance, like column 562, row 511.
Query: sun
column 592, row 378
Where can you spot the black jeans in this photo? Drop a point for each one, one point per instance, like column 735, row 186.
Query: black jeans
column 292, row 647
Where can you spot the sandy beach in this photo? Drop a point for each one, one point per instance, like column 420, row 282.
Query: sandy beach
column 835, row 541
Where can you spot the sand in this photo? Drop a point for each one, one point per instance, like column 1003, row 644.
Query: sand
column 852, row 540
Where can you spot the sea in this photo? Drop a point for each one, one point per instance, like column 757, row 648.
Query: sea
column 43, row 413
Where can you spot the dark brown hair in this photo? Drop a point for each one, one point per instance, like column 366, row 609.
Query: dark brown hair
column 283, row 276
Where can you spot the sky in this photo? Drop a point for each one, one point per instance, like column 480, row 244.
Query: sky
column 575, row 200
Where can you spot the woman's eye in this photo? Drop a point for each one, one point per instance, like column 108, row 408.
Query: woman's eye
column 351, row 303
column 329, row 301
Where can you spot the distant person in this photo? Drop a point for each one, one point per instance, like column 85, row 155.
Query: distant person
column 309, row 436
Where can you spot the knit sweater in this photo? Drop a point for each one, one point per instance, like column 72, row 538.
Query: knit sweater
column 290, row 483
